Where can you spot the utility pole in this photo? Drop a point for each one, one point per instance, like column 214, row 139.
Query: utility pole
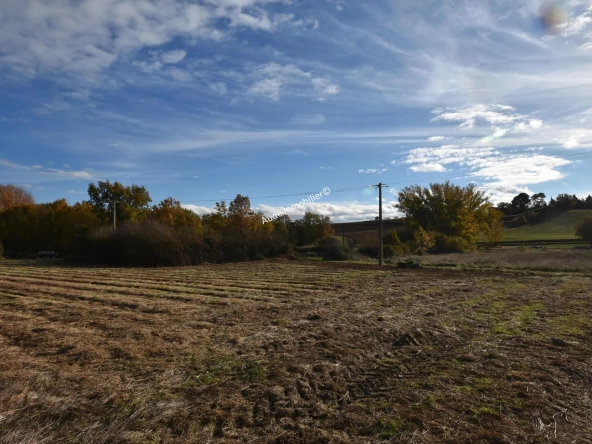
column 380, row 223
column 114, row 214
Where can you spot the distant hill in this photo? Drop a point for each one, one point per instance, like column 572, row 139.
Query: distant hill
column 561, row 226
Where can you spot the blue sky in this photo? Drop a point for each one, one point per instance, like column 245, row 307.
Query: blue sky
column 201, row 100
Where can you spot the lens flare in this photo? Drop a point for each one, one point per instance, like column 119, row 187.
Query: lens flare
column 496, row 135
column 553, row 17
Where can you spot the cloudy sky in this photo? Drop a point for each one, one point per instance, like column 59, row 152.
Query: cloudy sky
column 204, row 99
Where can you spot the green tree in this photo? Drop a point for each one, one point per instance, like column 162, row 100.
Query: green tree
column 448, row 209
column 520, row 203
column 584, row 229
column 537, row 201
column 132, row 201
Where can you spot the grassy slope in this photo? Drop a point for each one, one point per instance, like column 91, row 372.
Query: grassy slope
column 559, row 227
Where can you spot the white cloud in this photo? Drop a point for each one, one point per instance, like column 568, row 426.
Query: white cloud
column 274, row 79
column 325, row 87
column 38, row 169
column 89, row 36
column 436, row 138
column 270, row 88
column 520, row 169
column 529, row 125
column 428, row 168
column 500, row 170
column 179, row 74
column 447, row 154
column 172, row 57
column 201, row 210
column 308, row 119
column 572, row 141
column 219, row 88
column 373, row 171
column 338, row 212
column 493, row 114
column 325, row 168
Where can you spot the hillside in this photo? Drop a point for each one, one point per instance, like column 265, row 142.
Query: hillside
column 561, row 226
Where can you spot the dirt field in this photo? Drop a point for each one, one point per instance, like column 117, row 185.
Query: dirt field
column 290, row 352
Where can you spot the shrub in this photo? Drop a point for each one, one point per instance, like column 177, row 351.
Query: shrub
column 369, row 251
column 426, row 240
column 584, row 229
column 450, row 244
column 397, row 250
column 334, row 250
column 392, row 238
column 520, row 220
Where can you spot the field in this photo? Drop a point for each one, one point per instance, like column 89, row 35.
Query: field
column 291, row 352
column 561, row 226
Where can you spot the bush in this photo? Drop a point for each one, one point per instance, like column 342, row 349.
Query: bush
column 425, row 239
column 521, row 220
column 397, row 250
column 392, row 238
column 450, row 244
column 584, row 229
column 150, row 243
column 369, row 251
column 334, row 250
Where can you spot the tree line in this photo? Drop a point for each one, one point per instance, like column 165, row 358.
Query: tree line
column 443, row 218
column 147, row 234
column 532, row 209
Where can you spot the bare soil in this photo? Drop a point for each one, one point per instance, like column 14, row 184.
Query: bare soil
column 291, row 352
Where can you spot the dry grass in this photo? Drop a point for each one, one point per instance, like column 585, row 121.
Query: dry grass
column 530, row 259
column 289, row 352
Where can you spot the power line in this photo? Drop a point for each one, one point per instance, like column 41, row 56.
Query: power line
column 575, row 156
column 283, row 195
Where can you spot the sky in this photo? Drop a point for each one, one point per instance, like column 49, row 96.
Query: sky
column 201, row 100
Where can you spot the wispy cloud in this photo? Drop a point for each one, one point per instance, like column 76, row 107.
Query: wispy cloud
column 57, row 173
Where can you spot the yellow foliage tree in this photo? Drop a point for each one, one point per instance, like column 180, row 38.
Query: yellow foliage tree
column 448, row 209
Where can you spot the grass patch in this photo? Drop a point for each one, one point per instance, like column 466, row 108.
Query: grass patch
column 393, row 428
column 569, row 325
column 220, row 369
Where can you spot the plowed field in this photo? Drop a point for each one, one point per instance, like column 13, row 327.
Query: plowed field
column 290, row 352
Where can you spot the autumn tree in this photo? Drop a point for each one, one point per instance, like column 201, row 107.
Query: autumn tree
column 584, row 229
column 495, row 231
column 312, row 228
column 447, row 209
column 170, row 212
column 12, row 196
column 132, row 201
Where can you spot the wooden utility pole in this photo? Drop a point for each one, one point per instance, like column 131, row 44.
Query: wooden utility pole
column 114, row 214
column 380, row 224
